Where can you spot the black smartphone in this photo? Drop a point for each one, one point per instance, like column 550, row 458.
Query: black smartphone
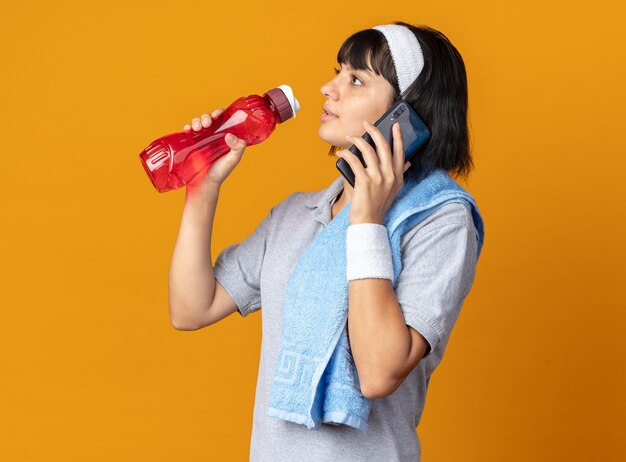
column 414, row 135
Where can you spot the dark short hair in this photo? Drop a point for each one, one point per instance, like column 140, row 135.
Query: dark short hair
column 438, row 95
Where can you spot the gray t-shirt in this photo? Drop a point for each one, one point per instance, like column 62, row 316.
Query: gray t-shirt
column 439, row 258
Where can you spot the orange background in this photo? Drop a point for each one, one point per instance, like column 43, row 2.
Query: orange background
column 91, row 368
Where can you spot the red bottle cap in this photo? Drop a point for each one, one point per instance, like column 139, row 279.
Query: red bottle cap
column 282, row 103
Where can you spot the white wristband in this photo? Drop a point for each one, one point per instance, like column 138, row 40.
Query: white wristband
column 368, row 252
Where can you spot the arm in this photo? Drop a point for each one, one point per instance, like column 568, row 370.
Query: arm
column 194, row 296
column 192, row 286
column 384, row 348
column 439, row 265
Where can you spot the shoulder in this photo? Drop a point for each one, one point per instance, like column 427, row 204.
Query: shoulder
column 455, row 217
column 293, row 201
column 301, row 200
column 291, row 210
column 448, row 214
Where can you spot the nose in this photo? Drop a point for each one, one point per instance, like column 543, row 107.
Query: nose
column 328, row 90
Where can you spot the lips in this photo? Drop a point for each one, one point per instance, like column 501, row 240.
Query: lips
column 328, row 111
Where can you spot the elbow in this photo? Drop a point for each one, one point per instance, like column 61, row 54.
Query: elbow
column 373, row 389
column 185, row 325
column 181, row 326
column 179, row 322
column 175, row 321
column 370, row 393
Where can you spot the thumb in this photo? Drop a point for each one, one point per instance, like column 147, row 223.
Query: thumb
column 234, row 143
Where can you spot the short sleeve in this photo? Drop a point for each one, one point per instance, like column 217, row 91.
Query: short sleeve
column 438, row 269
column 238, row 268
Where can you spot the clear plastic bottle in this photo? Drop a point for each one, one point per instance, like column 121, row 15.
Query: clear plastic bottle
column 174, row 160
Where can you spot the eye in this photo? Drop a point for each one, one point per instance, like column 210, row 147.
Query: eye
column 352, row 76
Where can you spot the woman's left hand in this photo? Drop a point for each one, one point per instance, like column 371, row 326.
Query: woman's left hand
column 375, row 187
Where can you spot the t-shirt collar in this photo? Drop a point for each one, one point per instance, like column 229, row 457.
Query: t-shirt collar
column 324, row 197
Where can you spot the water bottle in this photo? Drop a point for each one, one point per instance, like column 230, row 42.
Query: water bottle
column 174, row 160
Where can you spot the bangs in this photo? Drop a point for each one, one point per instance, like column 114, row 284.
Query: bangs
column 365, row 44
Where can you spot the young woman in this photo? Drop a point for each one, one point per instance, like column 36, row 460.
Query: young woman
column 397, row 334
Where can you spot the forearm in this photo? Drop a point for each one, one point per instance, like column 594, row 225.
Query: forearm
column 379, row 337
column 191, row 277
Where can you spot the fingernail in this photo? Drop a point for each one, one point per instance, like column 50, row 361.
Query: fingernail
column 231, row 138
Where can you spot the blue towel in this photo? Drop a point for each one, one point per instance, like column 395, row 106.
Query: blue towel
column 315, row 378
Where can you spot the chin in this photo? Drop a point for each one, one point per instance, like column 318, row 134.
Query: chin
column 332, row 141
column 329, row 138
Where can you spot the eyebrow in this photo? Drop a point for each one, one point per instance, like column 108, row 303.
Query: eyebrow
column 367, row 71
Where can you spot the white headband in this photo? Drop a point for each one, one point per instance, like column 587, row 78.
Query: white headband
column 406, row 53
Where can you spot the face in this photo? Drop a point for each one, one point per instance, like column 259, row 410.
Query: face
column 354, row 96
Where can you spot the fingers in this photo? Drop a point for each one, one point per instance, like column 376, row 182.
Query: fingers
column 369, row 155
column 203, row 121
column 399, row 164
column 197, row 123
column 355, row 164
column 383, row 150
column 235, row 144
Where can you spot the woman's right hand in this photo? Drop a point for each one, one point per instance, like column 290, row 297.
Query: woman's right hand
column 222, row 167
